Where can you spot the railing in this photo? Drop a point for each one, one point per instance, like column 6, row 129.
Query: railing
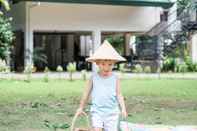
column 186, row 16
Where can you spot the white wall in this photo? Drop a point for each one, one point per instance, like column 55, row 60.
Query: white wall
column 30, row 16
column 194, row 48
column 87, row 17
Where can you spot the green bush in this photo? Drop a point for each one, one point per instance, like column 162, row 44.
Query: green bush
column 122, row 67
column 138, row 69
column 191, row 66
column 168, row 64
column 60, row 70
column 2, row 65
column 147, row 69
column 195, row 67
column 6, row 36
column 182, row 68
column 28, row 71
column 71, row 68
column 46, row 74
column 84, row 74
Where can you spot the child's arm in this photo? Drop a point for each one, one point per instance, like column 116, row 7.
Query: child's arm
column 85, row 96
column 121, row 99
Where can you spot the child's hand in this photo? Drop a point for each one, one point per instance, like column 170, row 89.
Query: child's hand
column 80, row 111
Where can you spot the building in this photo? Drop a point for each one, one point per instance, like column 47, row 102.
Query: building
column 70, row 30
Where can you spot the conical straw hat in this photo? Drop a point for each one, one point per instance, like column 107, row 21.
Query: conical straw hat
column 105, row 52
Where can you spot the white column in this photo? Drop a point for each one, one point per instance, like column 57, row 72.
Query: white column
column 126, row 46
column 194, row 48
column 28, row 50
column 70, row 44
column 88, row 45
column 82, row 45
column 96, row 43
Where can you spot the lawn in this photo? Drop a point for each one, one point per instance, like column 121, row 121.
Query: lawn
column 26, row 106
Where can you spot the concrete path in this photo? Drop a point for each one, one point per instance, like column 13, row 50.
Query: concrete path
column 78, row 75
column 141, row 127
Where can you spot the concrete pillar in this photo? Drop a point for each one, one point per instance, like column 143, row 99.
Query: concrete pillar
column 88, row 45
column 126, row 46
column 70, row 47
column 82, row 45
column 194, row 48
column 96, row 43
column 160, row 41
column 28, row 48
column 56, row 49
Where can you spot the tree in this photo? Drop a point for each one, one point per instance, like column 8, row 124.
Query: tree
column 5, row 4
column 6, row 34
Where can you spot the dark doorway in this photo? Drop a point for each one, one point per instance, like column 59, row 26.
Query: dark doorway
column 60, row 48
column 17, row 53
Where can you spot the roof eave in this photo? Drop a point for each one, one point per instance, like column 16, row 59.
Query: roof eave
column 166, row 4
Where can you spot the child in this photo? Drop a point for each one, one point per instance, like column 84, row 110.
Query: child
column 104, row 89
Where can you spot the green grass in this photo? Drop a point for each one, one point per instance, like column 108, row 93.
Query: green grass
column 25, row 106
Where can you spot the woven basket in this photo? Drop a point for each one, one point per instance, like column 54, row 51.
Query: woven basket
column 73, row 128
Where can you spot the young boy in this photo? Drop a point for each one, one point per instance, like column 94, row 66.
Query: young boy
column 104, row 89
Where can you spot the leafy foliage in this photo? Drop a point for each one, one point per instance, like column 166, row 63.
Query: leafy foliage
column 84, row 74
column 117, row 42
column 6, row 36
column 55, row 126
column 182, row 68
column 5, row 4
column 147, row 69
column 46, row 74
column 138, row 69
column 175, row 44
column 3, row 66
column 59, row 68
column 39, row 55
column 71, row 67
column 168, row 64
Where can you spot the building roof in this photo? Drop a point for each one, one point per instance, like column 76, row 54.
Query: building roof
column 154, row 3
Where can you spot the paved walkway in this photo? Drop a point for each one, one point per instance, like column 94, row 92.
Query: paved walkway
column 78, row 75
column 141, row 127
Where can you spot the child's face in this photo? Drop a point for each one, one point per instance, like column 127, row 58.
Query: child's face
column 105, row 66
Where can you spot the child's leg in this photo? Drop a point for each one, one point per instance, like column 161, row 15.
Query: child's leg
column 97, row 122
column 111, row 122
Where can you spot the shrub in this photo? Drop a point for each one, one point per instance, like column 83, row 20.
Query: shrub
column 46, row 75
column 182, row 68
column 84, row 74
column 147, row 69
column 3, row 66
column 6, row 38
column 168, row 64
column 195, row 67
column 189, row 63
column 60, row 70
column 71, row 67
column 138, row 69
column 122, row 67
column 28, row 71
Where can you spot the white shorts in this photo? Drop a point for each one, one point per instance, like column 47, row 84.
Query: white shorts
column 108, row 122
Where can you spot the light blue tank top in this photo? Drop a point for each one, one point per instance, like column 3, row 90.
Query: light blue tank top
column 103, row 94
